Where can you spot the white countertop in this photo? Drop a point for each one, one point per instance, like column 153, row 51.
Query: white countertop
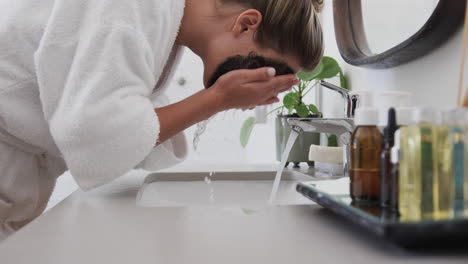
column 106, row 226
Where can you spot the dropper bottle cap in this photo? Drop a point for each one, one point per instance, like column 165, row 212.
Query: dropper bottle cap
column 392, row 127
column 366, row 114
column 395, row 153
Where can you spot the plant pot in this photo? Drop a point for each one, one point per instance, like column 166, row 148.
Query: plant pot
column 300, row 150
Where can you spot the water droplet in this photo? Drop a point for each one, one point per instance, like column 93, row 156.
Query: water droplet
column 207, row 180
column 212, row 196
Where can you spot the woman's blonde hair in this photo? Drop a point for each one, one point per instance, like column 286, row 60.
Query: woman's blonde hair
column 290, row 27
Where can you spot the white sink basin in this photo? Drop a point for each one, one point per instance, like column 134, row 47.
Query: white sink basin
column 240, row 189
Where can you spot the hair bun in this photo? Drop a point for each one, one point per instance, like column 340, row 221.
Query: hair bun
column 318, row 5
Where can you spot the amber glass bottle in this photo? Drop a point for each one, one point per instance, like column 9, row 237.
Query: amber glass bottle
column 366, row 147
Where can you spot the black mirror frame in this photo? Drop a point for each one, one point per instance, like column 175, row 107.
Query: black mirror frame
column 445, row 21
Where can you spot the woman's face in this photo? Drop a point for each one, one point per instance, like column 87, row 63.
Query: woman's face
column 238, row 39
column 226, row 49
column 223, row 61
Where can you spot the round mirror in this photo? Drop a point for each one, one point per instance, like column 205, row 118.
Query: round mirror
column 387, row 33
column 389, row 23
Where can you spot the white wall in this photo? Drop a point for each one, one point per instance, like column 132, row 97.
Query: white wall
column 433, row 79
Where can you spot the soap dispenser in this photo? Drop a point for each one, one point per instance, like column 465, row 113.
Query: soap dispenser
column 366, row 146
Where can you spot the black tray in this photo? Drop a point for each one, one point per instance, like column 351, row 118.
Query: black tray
column 426, row 233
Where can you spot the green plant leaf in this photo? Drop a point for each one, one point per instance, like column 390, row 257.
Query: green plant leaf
column 333, row 141
column 313, row 108
column 331, row 68
column 328, row 68
column 302, row 111
column 309, row 76
column 343, row 81
column 291, row 100
column 246, row 131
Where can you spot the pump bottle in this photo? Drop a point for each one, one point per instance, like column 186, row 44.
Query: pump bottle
column 366, row 146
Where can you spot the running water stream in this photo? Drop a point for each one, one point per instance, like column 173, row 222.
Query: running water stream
column 201, row 128
column 209, row 182
column 284, row 159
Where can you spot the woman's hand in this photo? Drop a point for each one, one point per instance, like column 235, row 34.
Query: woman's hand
column 247, row 89
column 243, row 89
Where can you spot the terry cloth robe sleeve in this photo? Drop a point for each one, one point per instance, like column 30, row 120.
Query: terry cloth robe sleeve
column 169, row 153
column 95, row 90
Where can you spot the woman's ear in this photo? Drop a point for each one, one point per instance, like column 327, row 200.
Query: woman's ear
column 247, row 22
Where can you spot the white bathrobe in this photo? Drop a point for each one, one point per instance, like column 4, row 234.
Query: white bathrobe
column 79, row 82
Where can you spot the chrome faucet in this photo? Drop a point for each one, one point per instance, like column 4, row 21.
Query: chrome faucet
column 341, row 127
column 351, row 101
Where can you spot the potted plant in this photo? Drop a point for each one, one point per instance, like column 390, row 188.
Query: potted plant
column 295, row 106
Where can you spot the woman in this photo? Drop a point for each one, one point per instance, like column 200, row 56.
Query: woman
column 82, row 83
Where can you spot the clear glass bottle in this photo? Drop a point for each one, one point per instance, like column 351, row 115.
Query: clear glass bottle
column 426, row 119
column 409, row 182
column 429, row 177
column 444, row 205
column 457, row 148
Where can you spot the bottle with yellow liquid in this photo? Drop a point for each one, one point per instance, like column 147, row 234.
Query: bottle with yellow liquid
column 409, row 182
column 444, row 186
